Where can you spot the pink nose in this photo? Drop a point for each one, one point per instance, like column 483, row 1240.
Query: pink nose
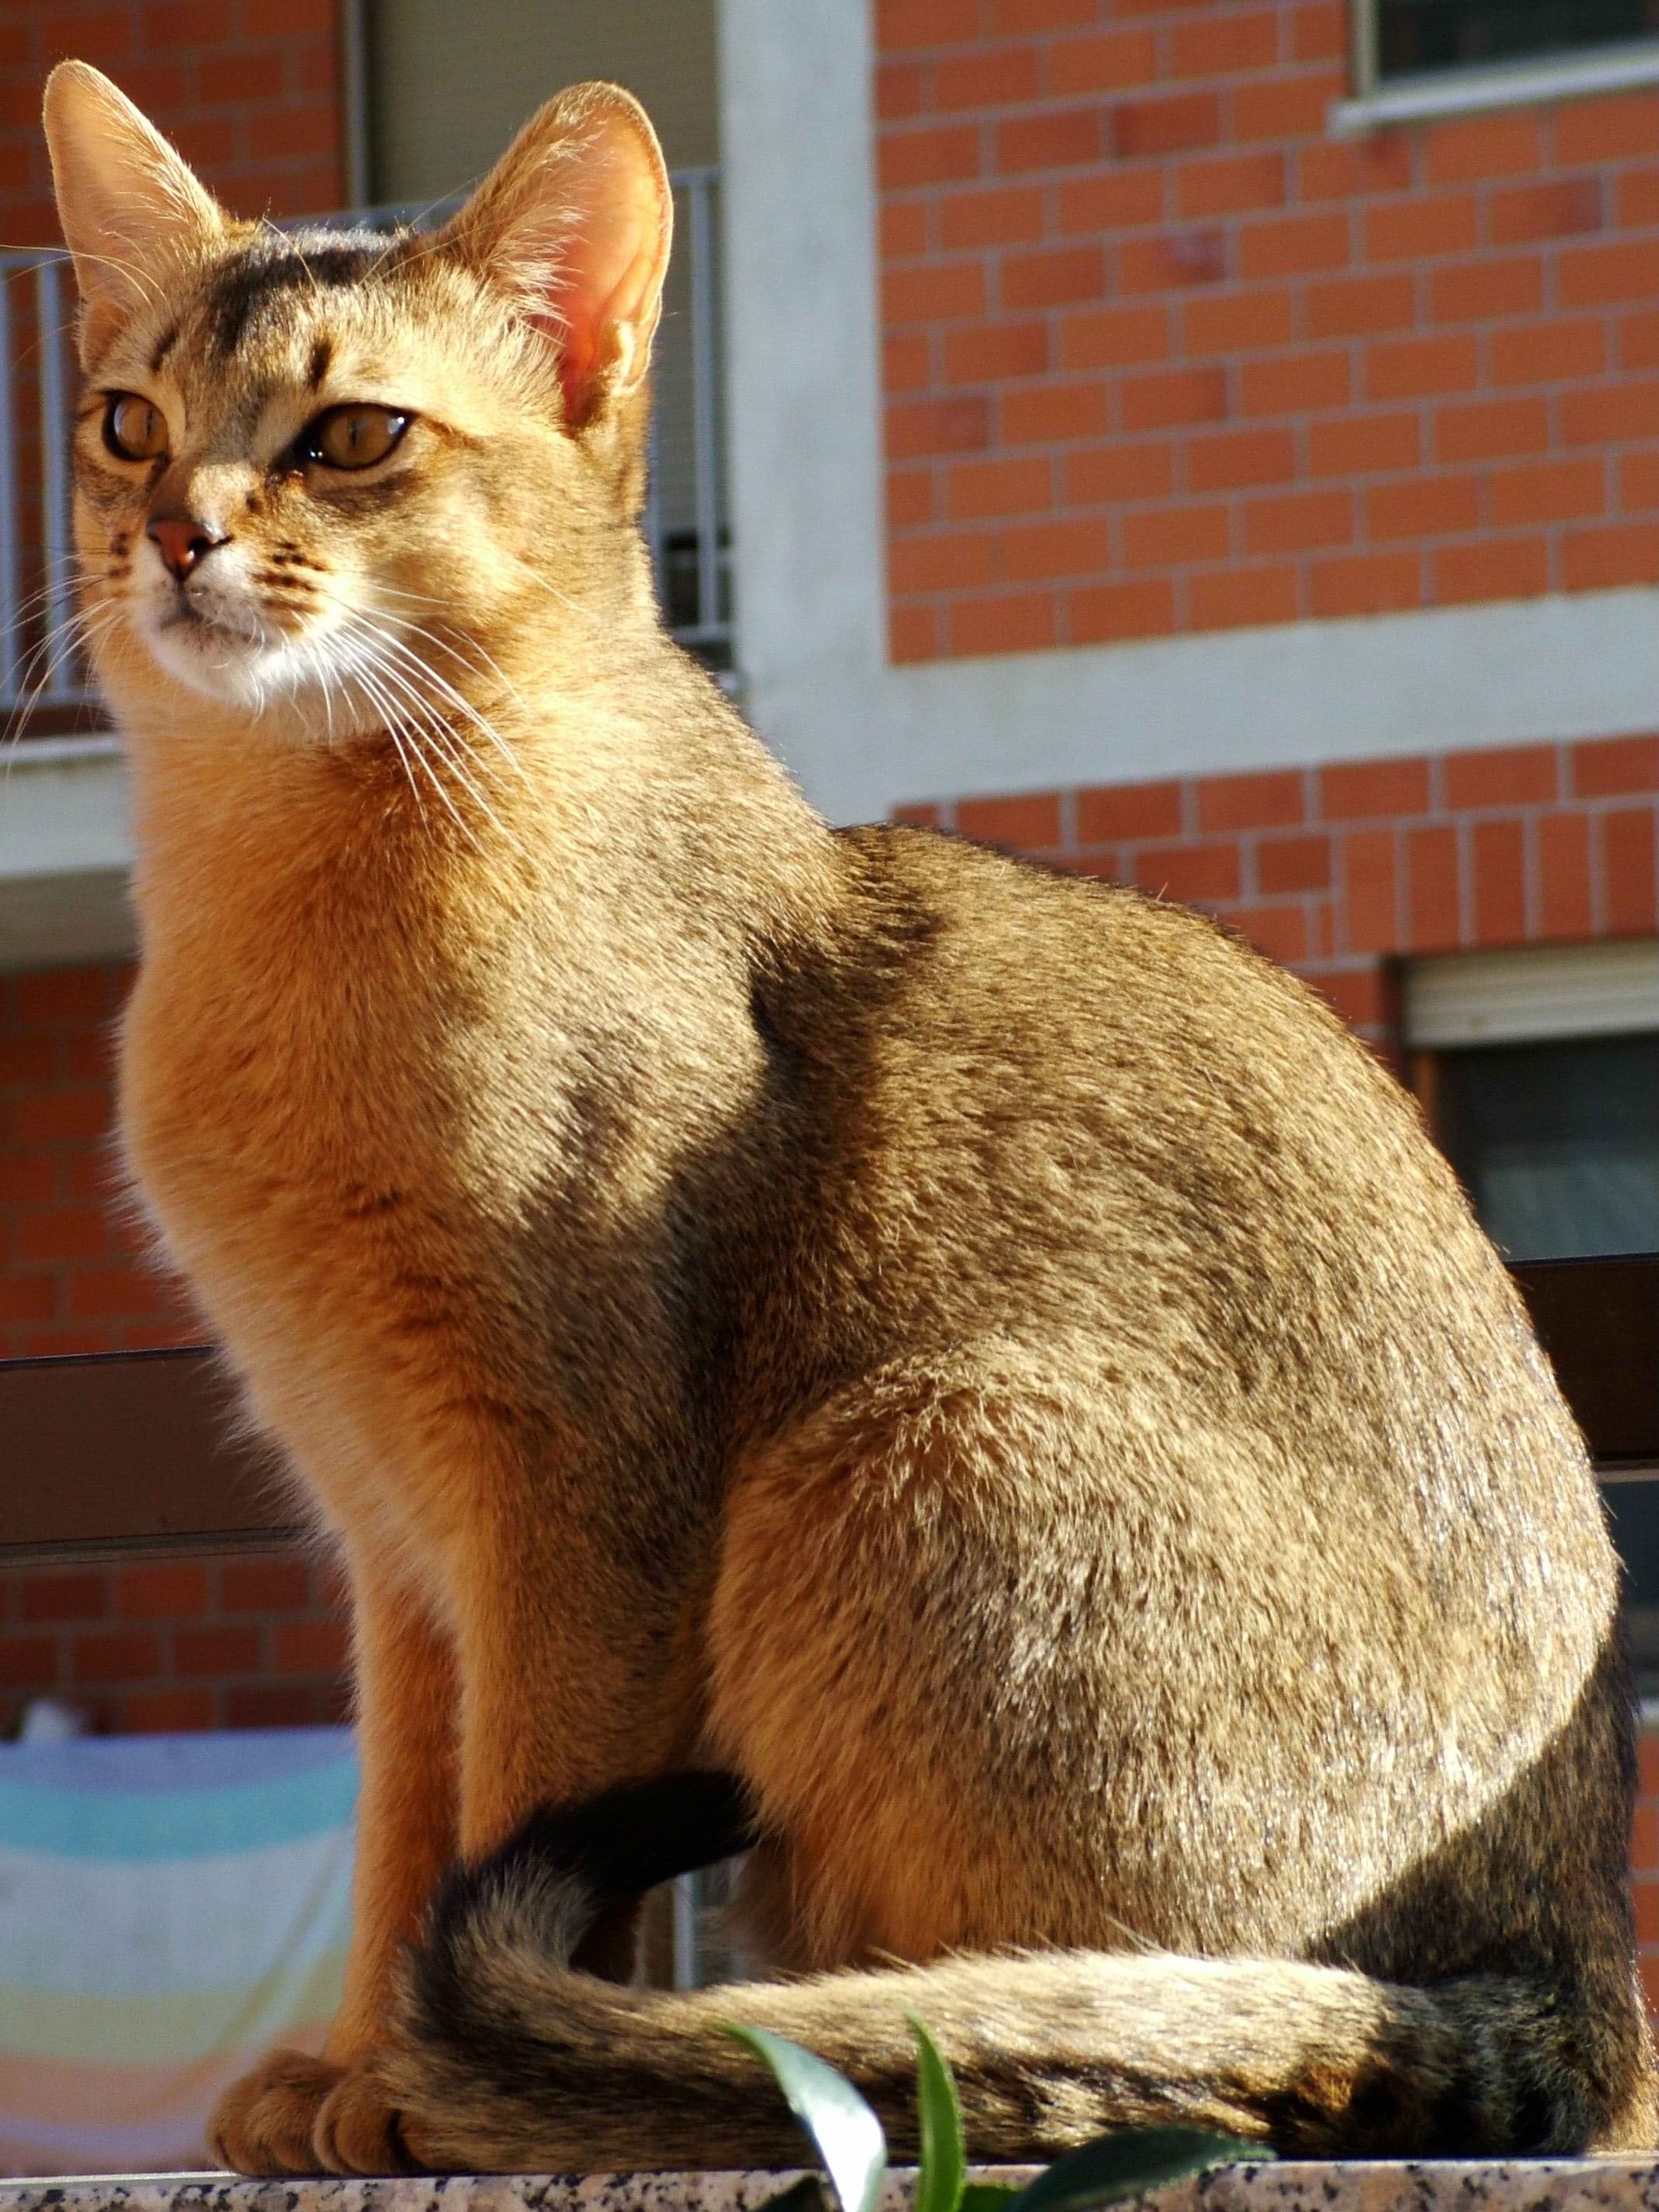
column 181, row 541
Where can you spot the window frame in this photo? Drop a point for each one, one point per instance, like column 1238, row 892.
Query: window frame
column 1373, row 104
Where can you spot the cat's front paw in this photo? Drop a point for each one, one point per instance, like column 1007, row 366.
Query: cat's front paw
column 297, row 2114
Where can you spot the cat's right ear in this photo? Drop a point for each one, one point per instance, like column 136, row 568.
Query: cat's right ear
column 133, row 215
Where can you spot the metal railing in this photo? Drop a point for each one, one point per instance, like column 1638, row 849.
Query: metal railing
column 43, row 683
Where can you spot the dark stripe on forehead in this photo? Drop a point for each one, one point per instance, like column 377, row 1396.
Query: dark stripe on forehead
column 321, row 354
column 250, row 284
column 164, row 346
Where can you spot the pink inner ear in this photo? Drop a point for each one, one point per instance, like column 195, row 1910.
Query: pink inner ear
column 612, row 265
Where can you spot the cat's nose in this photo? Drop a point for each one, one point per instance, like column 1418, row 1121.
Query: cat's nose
column 181, row 540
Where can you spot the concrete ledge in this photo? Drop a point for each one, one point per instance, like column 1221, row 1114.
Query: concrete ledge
column 1614, row 2184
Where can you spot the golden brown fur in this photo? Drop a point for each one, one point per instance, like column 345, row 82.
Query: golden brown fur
column 985, row 1357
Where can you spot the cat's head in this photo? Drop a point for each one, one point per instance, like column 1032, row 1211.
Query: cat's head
column 315, row 468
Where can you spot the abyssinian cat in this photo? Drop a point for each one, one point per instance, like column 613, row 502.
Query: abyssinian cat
column 983, row 1363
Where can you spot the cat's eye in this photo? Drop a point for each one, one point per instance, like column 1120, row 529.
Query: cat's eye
column 352, row 437
column 134, row 428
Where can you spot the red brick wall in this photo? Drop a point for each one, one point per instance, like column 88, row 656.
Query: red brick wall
column 248, row 89
column 1162, row 356
column 1645, row 1861
column 165, row 1644
column 1336, row 870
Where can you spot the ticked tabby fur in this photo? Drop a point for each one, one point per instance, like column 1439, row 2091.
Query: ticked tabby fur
column 984, row 1361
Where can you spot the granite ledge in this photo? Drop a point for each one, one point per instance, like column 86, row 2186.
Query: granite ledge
column 1609, row 2184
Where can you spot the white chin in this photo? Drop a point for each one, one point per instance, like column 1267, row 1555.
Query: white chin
column 237, row 672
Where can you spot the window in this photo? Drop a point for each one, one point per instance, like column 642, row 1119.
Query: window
column 1426, row 57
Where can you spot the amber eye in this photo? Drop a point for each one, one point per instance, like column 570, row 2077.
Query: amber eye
column 352, row 437
column 133, row 429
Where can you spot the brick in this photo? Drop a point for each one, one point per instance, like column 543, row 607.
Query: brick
column 276, row 1705
column 1038, row 414
column 1116, row 473
column 1012, row 17
column 899, row 92
column 1169, row 537
column 1498, row 858
column 1548, row 491
column 1625, row 126
column 987, row 352
column 1293, row 864
column 1360, row 995
column 311, row 1647
column 64, row 1233
column 1029, row 823
column 1423, row 506
column 1609, row 414
column 974, row 489
column 277, row 133
column 1055, row 279
column 1008, row 214
column 1477, row 147
column 1290, row 246
column 27, row 1662
column 1014, row 622
column 1298, row 384
column 1227, row 184
column 1599, row 560
column 228, row 1649
column 244, row 77
column 1432, row 889
column 1285, row 107
column 910, row 503
column 1110, row 61
column 903, row 24
column 1240, row 457
column 175, row 1591
column 1172, row 125
column 1548, row 352
column 1189, row 872
column 123, row 1654
column 936, row 425
column 906, row 362
column 1111, row 200
column 1359, row 791
column 1596, row 276
column 1558, row 208
column 996, row 77
column 1639, row 491
column 1298, row 522
column 925, row 815
column 1242, row 598
column 1626, row 837
column 31, row 1060
column 937, row 155
column 65, row 998
column 83, row 1596
column 933, row 292
column 99, row 1293
column 1060, row 139
column 1636, row 199
column 1268, row 799
column 1479, row 291
column 1565, row 903
column 1039, row 552
column 1354, row 168
column 1158, row 400
column 29, row 1178
column 64, row 1117
column 1174, row 261
column 1491, row 429
column 1240, row 322
column 1226, row 44
column 1364, row 445
column 1319, row 33
column 1638, row 343
column 26, row 1297
column 1512, row 776
column 1123, row 812
column 1614, row 767
column 1103, row 611
column 1280, row 931
column 949, row 560
column 1416, row 368
column 169, row 1712
column 1416, row 229
column 1370, row 903
column 1359, row 306
column 1113, row 337
column 1647, row 1755
column 264, row 1585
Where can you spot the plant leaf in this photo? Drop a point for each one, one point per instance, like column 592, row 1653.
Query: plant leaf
column 987, row 2196
column 943, row 2168
column 1127, row 2163
column 846, row 2132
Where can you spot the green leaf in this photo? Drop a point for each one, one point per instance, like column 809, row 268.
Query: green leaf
column 846, row 2132
column 1129, row 2162
column 943, row 2167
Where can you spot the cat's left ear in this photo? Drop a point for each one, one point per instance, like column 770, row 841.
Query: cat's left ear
column 574, row 222
column 133, row 214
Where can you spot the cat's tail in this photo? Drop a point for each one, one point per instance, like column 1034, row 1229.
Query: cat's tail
column 510, row 2062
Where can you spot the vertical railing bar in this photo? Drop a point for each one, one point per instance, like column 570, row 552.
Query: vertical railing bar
column 686, row 1960
column 705, row 461
column 61, row 685
column 12, row 636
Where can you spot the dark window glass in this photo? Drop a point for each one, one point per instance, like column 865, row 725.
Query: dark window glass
column 1557, row 1144
column 1418, row 38
column 1633, row 1514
